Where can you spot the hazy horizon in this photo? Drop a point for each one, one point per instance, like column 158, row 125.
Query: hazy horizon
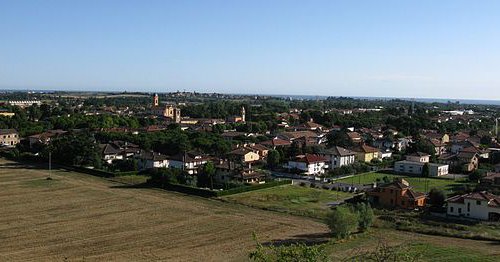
column 425, row 49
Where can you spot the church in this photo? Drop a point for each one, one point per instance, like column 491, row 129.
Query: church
column 167, row 111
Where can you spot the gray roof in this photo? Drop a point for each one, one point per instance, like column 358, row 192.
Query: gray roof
column 337, row 151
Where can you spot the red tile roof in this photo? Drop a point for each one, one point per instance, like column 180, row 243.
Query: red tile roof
column 310, row 158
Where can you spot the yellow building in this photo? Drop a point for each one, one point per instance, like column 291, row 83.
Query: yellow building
column 6, row 113
column 366, row 153
column 8, row 137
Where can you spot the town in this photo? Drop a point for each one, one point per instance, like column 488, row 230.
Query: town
column 399, row 165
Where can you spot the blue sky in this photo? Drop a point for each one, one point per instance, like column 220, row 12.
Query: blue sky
column 437, row 49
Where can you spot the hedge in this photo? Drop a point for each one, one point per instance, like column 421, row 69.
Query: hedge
column 213, row 193
column 251, row 188
column 94, row 172
column 127, row 173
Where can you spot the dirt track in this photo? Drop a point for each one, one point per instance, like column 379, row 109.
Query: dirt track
column 83, row 218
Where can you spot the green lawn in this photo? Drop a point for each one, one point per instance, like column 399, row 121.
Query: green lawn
column 291, row 199
column 419, row 183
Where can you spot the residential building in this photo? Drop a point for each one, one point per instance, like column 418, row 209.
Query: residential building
column 6, row 113
column 366, row 153
column 309, row 164
column 244, row 155
column 45, row 137
column 118, row 150
column 461, row 162
column 439, row 147
column 492, row 179
column 476, row 205
column 416, row 168
column 261, row 150
column 338, row 156
column 355, row 137
column 150, row 159
column 310, row 136
column 276, row 142
column 228, row 172
column 189, row 161
column 398, row 194
column 418, row 157
column 9, row 137
column 24, row 103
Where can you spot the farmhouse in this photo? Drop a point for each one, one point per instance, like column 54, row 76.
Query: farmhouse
column 477, row 205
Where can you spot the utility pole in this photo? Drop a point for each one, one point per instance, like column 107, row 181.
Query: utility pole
column 50, row 164
column 496, row 127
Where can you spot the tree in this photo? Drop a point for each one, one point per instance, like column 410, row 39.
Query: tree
column 476, row 175
column 338, row 138
column 365, row 216
column 342, row 222
column 436, row 198
column 425, row 170
column 206, row 178
column 273, row 158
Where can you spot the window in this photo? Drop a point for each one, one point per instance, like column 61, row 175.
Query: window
column 468, row 207
column 451, row 209
column 460, row 210
column 478, row 202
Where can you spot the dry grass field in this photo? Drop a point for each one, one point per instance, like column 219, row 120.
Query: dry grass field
column 77, row 217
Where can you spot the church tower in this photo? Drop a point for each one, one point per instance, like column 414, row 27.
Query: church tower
column 243, row 114
column 156, row 100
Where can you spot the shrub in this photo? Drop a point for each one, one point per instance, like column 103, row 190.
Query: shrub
column 365, row 216
column 294, row 252
column 342, row 222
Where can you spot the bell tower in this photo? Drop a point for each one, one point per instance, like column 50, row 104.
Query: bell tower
column 243, row 114
column 156, row 100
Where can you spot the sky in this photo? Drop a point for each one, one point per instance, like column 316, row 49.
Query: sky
column 422, row 49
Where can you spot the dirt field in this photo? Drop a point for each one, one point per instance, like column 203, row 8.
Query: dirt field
column 77, row 217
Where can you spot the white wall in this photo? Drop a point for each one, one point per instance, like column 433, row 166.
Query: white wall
column 475, row 211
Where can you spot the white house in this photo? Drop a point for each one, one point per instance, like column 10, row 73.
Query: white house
column 418, row 157
column 149, row 159
column 338, row 156
column 477, row 205
column 187, row 161
column 310, row 164
column 416, row 168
